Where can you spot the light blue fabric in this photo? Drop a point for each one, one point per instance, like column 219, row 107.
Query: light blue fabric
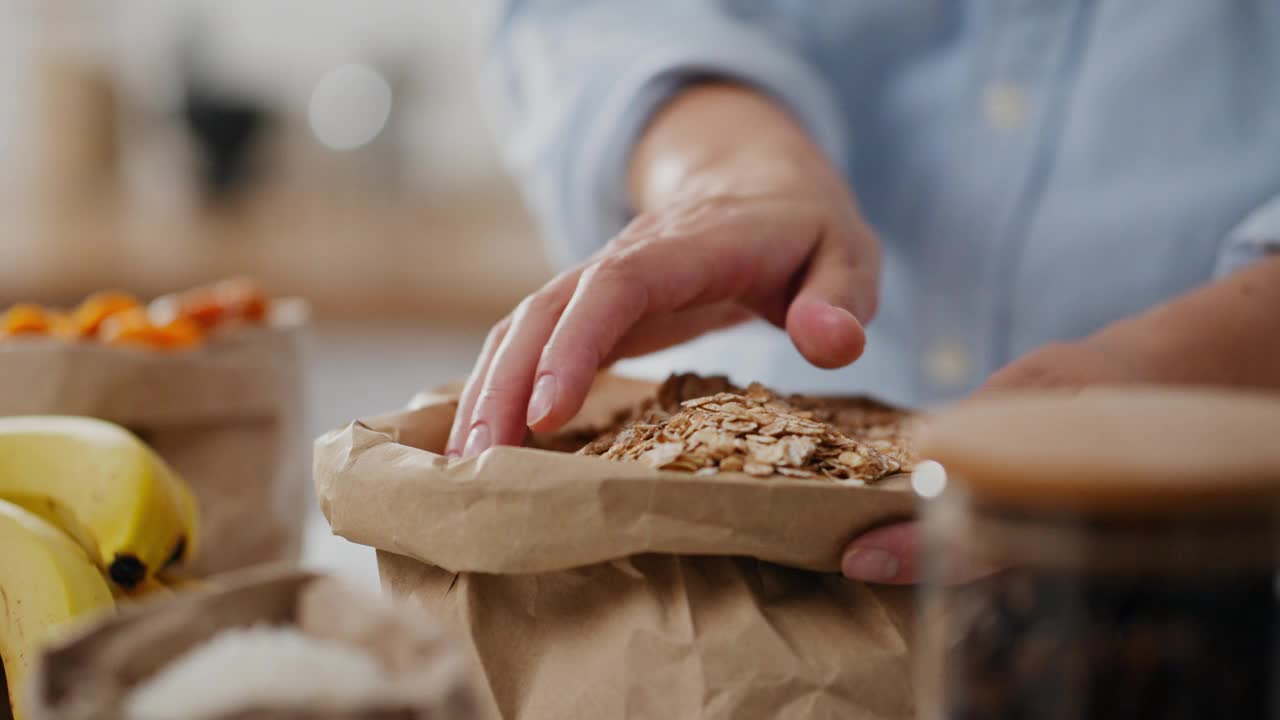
column 1036, row 169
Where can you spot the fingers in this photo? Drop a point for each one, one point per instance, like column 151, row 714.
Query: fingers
column 827, row 335
column 526, row 375
column 836, row 296
column 611, row 297
column 475, row 382
column 650, row 335
column 499, row 413
column 479, row 385
column 614, row 295
column 891, row 555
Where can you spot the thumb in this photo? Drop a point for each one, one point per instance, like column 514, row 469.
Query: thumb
column 891, row 556
column 837, row 296
column 887, row 555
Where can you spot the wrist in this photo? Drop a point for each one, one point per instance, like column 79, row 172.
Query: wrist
column 1150, row 350
column 718, row 139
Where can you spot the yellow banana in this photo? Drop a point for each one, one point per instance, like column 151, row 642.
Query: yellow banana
column 61, row 517
column 190, row 515
column 117, row 489
column 46, row 580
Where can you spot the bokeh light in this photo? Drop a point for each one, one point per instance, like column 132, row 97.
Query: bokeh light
column 349, row 107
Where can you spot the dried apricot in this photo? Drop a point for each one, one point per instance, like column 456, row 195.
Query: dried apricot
column 212, row 306
column 200, row 306
column 96, row 308
column 243, row 299
column 26, row 319
column 135, row 327
column 128, row 326
column 179, row 334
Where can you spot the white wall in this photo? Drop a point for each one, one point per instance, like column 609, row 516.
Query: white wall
column 276, row 50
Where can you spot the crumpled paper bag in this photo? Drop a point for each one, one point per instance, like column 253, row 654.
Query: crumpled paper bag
column 88, row 675
column 227, row 416
column 587, row 588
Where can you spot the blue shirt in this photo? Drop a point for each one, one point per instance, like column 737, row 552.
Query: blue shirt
column 1036, row 169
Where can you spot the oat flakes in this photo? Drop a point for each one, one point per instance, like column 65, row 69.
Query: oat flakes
column 760, row 433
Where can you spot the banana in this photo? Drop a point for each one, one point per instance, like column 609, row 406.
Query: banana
column 61, row 517
column 138, row 512
column 46, row 580
column 190, row 515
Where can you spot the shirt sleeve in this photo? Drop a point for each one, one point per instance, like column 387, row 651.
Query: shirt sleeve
column 1256, row 237
column 577, row 80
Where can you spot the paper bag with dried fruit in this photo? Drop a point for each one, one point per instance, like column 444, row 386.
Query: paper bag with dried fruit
column 658, row 579
column 265, row 646
column 222, row 404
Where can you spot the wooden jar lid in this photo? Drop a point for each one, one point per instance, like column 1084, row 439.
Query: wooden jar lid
column 1130, row 449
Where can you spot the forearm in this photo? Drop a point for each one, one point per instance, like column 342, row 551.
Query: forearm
column 1226, row 333
column 720, row 139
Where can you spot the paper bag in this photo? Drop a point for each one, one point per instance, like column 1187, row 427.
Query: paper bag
column 587, row 588
column 89, row 675
column 227, row 416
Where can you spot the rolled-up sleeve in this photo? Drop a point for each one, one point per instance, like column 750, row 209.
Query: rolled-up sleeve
column 1256, row 237
column 576, row 81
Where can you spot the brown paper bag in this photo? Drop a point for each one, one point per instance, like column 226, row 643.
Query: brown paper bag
column 227, row 416
column 592, row 589
column 89, row 675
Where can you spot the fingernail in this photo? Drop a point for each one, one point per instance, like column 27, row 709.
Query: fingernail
column 870, row 565
column 478, row 440
column 544, row 393
column 846, row 313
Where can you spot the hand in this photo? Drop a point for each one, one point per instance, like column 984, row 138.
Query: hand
column 890, row 554
column 741, row 216
column 1226, row 333
column 1093, row 361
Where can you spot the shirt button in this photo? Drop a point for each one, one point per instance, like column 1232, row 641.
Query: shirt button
column 1005, row 106
column 948, row 364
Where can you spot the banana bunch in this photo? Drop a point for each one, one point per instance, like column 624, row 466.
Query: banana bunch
column 89, row 516
column 48, row 580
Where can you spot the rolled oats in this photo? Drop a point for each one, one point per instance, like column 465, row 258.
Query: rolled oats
column 662, row 454
column 758, row 432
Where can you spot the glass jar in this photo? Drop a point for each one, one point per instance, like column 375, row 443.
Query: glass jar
column 1106, row 554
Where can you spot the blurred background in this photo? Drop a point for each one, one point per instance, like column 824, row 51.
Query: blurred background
column 334, row 150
